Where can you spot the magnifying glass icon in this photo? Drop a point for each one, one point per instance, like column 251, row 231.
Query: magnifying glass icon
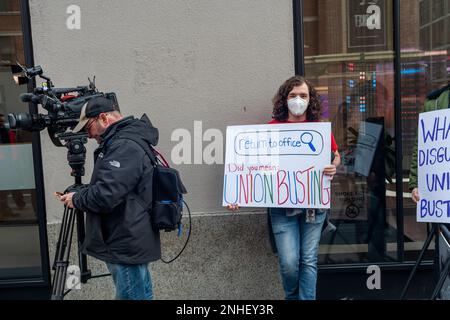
column 308, row 141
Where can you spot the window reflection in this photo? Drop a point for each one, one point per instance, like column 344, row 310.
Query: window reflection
column 349, row 57
column 350, row 60
column 19, row 233
column 425, row 58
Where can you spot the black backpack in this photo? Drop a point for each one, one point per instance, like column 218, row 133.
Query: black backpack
column 168, row 190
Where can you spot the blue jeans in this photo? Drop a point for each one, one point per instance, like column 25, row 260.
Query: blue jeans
column 298, row 244
column 132, row 281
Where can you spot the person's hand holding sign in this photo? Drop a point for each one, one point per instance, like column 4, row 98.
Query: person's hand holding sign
column 415, row 195
column 330, row 170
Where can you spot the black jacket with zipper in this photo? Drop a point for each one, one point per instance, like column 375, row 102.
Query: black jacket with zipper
column 116, row 201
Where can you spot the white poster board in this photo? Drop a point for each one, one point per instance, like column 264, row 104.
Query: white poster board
column 278, row 165
column 433, row 166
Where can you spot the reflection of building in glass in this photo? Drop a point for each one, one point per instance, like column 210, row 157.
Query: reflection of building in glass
column 343, row 26
column 340, row 50
column 434, row 20
column 413, row 78
column 425, row 63
column 17, row 200
column 349, row 55
column 435, row 37
column 359, row 88
column 11, row 43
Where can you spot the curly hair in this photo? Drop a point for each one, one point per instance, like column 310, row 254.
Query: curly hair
column 280, row 109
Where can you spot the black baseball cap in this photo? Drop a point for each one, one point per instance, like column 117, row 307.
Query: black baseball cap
column 92, row 109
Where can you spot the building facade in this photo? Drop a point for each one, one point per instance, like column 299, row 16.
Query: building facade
column 196, row 67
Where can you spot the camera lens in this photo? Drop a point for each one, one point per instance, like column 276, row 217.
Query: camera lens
column 11, row 122
column 19, row 121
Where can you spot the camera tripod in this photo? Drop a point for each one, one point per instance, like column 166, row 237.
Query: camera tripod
column 441, row 267
column 76, row 156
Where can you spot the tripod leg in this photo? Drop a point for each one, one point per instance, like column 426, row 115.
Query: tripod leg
column 61, row 238
column 84, row 272
column 419, row 260
column 62, row 254
column 441, row 281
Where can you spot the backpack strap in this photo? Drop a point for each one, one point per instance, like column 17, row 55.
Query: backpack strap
column 147, row 148
column 156, row 157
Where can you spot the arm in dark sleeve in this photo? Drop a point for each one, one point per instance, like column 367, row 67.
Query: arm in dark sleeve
column 428, row 106
column 117, row 173
column 413, row 169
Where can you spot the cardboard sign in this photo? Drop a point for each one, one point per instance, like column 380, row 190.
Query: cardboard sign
column 278, row 165
column 433, row 166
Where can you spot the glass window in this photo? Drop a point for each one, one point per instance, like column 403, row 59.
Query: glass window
column 425, row 37
column 19, row 233
column 349, row 58
column 438, row 8
column 425, row 12
column 425, row 61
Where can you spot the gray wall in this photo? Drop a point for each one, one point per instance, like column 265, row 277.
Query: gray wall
column 219, row 62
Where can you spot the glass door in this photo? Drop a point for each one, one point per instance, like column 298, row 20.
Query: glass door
column 348, row 55
column 425, row 60
column 20, row 245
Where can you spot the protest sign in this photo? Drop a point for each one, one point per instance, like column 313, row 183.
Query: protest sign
column 433, row 160
column 278, row 165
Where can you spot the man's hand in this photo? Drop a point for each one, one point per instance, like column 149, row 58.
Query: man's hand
column 67, row 199
column 330, row 170
column 415, row 195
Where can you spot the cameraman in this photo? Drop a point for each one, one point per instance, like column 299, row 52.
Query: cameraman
column 118, row 228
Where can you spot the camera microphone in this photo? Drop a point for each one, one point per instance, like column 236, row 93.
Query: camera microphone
column 26, row 97
column 31, row 97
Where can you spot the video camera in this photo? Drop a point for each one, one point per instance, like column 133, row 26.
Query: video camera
column 63, row 104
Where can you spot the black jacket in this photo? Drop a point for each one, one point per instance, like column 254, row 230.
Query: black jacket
column 118, row 228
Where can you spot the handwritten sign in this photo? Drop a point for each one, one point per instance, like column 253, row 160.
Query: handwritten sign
column 278, row 165
column 434, row 166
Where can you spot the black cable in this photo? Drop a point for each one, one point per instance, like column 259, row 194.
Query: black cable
column 187, row 240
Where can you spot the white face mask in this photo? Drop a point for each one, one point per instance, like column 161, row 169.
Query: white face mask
column 297, row 106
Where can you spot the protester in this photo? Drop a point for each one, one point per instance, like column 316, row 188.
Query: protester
column 297, row 231
column 438, row 99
